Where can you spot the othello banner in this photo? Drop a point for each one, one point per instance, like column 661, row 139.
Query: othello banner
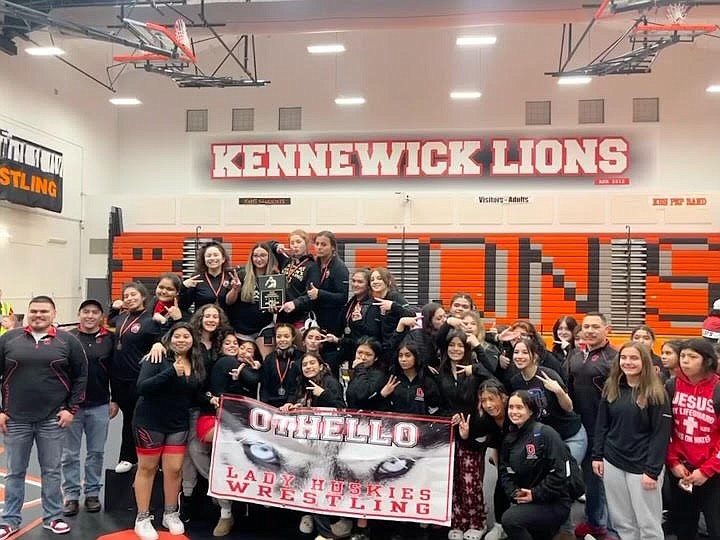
column 345, row 463
column 30, row 174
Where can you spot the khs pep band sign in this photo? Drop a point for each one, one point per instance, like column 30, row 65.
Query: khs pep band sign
column 470, row 157
column 337, row 462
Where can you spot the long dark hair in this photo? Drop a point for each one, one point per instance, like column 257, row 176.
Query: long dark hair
column 571, row 324
column 201, row 267
column 420, row 367
column 446, row 364
column 428, row 312
column 223, row 324
column 196, row 356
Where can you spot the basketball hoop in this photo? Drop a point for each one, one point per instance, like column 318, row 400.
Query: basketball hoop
column 181, row 33
column 676, row 13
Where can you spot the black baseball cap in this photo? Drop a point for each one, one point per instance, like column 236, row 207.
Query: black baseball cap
column 91, row 302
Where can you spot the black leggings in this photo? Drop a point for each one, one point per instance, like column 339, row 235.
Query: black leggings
column 685, row 508
column 125, row 395
column 534, row 521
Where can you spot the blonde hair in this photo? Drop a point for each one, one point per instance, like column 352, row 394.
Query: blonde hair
column 649, row 391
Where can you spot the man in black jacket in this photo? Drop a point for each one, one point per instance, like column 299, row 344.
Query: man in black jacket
column 44, row 375
column 94, row 414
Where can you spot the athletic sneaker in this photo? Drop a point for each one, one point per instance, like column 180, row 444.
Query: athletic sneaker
column 57, row 526
column 145, row 530
column 173, row 523
column 584, row 528
column 496, row 533
column 123, row 467
column 6, row 531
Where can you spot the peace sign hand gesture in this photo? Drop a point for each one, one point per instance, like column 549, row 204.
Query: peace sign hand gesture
column 316, row 389
column 192, row 281
column 390, row 386
column 550, row 384
column 463, row 425
column 384, row 303
column 235, row 282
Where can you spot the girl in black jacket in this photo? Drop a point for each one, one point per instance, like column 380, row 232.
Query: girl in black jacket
column 327, row 285
column 392, row 307
column 211, row 280
column 294, row 260
column 280, row 369
column 359, row 316
column 411, row 389
column 424, row 336
column 316, row 386
column 167, row 391
column 367, row 377
column 459, row 389
column 534, row 472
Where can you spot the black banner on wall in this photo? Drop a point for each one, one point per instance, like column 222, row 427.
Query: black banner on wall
column 30, row 174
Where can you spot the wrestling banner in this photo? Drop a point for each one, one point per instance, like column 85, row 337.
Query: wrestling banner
column 30, row 174
column 344, row 463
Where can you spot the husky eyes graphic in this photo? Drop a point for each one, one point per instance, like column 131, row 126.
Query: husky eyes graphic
column 262, row 454
column 393, row 467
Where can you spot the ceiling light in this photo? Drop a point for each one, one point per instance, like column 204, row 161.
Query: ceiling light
column 330, row 48
column 574, row 79
column 713, row 89
column 475, row 41
column 44, row 51
column 358, row 100
column 125, row 101
column 465, row 94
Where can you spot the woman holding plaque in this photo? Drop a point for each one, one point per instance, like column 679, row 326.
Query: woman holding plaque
column 249, row 320
column 295, row 261
column 327, row 285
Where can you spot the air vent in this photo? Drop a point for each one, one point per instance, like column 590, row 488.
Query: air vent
column 646, row 109
column 196, row 120
column 537, row 113
column 591, row 111
column 629, row 274
column 98, row 246
column 289, row 118
column 243, row 119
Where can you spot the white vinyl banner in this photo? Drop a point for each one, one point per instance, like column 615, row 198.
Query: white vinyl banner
column 345, row 463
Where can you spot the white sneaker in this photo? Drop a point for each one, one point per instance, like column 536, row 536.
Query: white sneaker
column 496, row 533
column 123, row 467
column 145, row 530
column 306, row 524
column 173, row 523
column 455, row 534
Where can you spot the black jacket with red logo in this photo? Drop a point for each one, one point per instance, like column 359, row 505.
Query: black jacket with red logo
column 135, row 334
column 99, row 348
column 419, row 396
column 534, row 457
column 41, row 378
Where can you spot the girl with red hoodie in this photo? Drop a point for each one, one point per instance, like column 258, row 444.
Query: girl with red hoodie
column 694, row 451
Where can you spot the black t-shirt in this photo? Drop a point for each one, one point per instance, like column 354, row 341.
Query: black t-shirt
column 566, row 423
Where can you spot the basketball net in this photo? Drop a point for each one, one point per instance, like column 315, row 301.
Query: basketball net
column 676, row 13
column 181, row 33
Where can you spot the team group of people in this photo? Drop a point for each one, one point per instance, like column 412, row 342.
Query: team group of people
column 635, row 432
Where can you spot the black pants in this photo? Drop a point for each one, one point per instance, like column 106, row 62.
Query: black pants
column 125, row 395
column 534, row 521
column 500, row 502
column 685, row 508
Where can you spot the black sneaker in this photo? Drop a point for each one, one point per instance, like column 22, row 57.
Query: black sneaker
column 186, row 505
column 71, row 508
column 92, row 504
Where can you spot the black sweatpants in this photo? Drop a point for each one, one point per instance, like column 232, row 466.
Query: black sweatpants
column 125, row 395
column 685, row 508
column 535, row 521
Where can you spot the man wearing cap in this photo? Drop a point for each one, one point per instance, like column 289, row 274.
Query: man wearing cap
column 94, row 413
column 44, row 374
column 711, row 325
